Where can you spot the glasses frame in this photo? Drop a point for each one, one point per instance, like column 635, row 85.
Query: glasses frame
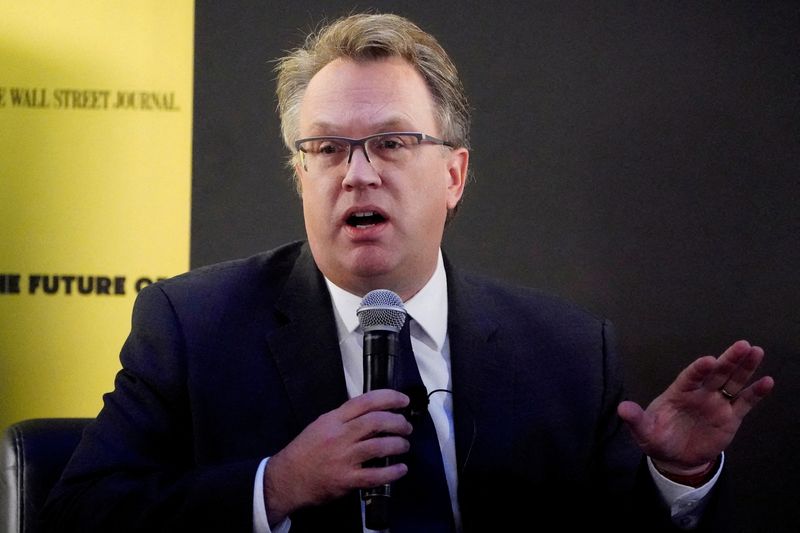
column 352, row 143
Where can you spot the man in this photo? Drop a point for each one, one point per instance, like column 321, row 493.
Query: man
column 238, row 407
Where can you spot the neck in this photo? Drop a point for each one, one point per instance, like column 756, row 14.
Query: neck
column 404, row 286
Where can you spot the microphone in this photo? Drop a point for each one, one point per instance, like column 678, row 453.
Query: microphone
column 381, row 316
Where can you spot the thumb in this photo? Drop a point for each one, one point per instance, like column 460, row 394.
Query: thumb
column 632, row 414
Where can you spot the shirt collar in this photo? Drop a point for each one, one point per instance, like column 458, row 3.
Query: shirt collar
column 428, row 307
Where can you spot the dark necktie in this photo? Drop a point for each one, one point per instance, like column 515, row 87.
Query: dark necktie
column 420, row 499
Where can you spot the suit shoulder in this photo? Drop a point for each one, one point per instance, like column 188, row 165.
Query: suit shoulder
column 520, row 301
column 260, row 274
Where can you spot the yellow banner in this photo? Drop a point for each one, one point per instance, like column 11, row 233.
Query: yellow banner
column 95, row 188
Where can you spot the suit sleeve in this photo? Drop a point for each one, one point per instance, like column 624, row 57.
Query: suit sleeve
column 135, row 468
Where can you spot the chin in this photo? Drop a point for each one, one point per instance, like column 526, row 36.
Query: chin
column 370, row 264
column 371, row 268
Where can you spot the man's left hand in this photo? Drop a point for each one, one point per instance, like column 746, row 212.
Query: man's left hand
column 686, row 428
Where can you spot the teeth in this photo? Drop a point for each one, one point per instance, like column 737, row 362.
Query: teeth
column 364, row 219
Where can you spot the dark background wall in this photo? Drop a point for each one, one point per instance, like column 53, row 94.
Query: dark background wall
column 639, row 158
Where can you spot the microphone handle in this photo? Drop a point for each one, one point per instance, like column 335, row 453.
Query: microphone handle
column 380, row 349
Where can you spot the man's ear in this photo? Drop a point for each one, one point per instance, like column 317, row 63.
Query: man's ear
column 298, row 182
column 457, row 167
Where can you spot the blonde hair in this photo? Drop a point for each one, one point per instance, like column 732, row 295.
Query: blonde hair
column 365, row 37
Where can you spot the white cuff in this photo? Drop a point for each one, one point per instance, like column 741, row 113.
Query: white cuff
column 685, row 503
column 260, row 520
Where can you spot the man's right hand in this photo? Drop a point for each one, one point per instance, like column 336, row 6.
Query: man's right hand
column 324, row 461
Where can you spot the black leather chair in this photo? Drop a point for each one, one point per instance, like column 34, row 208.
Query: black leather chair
column 34, row 455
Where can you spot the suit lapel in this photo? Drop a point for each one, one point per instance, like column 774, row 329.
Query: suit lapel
column 306, row 348
column 482, row 381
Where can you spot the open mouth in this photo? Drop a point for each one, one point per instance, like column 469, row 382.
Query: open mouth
column 365, row 219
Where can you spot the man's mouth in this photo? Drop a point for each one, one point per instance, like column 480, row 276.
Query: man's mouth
column 365, row 219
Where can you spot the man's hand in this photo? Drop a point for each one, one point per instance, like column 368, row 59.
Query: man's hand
column 325, row 460
column 686, row 428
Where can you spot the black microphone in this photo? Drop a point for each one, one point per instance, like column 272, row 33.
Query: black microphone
column 381, row 316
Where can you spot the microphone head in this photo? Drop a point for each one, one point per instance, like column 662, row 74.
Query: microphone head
column 381, row 309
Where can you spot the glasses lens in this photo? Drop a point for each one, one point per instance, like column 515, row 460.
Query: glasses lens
column 394, row 149
column 324, row 154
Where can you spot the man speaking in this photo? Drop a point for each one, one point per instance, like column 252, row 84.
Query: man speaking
column 241, row 403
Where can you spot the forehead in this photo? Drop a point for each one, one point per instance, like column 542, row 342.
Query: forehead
column 357, row 98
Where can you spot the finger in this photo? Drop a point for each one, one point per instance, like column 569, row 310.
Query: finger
column 373, row 477
column 377, row 447
column 377, row 400
column 744, row 372
column 727, row 364
column 379, row 422
column 696, row 374
column 751, row 395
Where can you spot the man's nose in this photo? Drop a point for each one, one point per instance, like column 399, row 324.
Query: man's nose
column 359, row 171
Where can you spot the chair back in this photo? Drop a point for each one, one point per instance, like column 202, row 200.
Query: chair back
column 34, row 453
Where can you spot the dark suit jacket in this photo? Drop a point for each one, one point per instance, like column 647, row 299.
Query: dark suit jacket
column 226, row 364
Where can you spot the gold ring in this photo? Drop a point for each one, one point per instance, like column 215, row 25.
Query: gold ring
column 728, row 396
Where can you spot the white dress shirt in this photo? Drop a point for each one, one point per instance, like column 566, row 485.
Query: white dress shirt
column 428, row 310
column 428, row 313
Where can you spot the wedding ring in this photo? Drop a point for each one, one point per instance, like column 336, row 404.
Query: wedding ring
column 728, row 396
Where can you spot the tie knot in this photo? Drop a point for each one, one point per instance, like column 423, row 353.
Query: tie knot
column 405, row 331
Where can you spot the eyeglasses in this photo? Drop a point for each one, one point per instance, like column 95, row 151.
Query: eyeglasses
column 392, row 149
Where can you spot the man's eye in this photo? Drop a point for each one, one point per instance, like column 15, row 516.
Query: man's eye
column 329, row 148
column 389, row 143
